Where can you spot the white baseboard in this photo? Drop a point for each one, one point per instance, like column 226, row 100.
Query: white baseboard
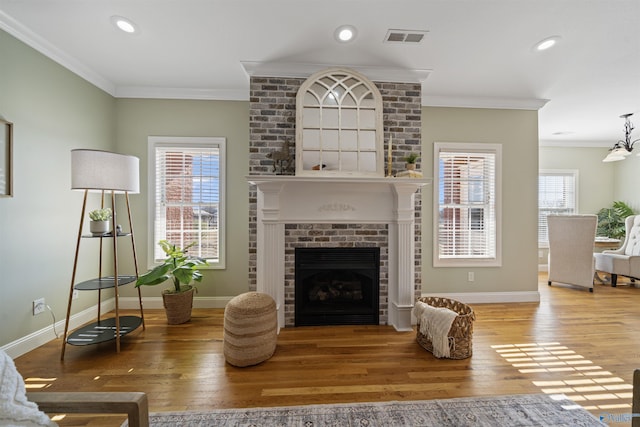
column 156, row 302
column 489, row 297
column 36, row 339
column 486, row 298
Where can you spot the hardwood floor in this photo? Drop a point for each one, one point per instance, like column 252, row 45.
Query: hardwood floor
column 583, row 344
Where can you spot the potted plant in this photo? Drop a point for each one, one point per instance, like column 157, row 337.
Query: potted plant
column 411, row 161
column 611, row 220
column 182, row 270
column 99, row 223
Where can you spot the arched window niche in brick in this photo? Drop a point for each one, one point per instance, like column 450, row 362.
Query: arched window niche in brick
column 339, row 125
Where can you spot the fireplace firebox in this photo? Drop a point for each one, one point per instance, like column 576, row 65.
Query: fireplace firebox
column 337, row 286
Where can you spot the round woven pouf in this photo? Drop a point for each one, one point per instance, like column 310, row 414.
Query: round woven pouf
column 250, row 329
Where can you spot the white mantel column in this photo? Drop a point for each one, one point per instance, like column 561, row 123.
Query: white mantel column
column 270, row 246
column 402, row 258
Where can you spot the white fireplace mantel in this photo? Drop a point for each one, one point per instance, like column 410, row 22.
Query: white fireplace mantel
column 330, row 200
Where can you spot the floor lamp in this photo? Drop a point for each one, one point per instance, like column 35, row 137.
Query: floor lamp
column 107, row 173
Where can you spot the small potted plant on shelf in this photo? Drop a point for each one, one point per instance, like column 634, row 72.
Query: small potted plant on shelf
column 182, row 270
column 99, row 223
column 411, row 161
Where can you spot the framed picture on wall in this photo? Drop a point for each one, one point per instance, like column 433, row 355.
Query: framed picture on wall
column 6, row 172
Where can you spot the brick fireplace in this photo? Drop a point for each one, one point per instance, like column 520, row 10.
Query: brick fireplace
column 288, row 211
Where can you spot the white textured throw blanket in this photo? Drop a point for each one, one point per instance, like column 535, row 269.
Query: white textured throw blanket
column 15, row 409
column 435, row 323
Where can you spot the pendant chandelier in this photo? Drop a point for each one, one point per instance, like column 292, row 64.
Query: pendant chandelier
column 622, row 148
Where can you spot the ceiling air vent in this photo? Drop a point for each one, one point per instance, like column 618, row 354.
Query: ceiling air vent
column 405, row 36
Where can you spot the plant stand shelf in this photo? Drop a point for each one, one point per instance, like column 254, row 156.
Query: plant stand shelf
column 115, row 327
column 103, row 283
column 103, row 330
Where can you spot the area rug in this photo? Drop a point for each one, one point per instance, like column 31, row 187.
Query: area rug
column 517, row 410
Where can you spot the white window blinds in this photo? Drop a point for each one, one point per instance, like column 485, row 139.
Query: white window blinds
column 556, row 196
column 188, row 196
column 467, row 205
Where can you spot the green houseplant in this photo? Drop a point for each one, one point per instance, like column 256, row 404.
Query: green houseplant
column 410, row 160
column 611, row 220
column 99, row 221
column 100, row 214
column 182, row 270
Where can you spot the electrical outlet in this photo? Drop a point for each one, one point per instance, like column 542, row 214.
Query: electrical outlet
column 75, row 294
column 38, row 306
column 471, row 276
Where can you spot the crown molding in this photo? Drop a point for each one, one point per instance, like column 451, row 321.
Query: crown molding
column 253, row 68
column 304, row 70
column 574, row 144
column 480, row 102
column 182, row 93
column 31, row 39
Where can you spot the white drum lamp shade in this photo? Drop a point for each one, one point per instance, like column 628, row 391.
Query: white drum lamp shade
column 103, row 170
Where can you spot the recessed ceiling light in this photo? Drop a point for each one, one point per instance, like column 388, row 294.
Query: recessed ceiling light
column 546, row 43
column 124, row 24
column 345, row 33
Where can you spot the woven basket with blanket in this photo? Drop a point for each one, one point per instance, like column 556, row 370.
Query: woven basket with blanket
column 460, row 334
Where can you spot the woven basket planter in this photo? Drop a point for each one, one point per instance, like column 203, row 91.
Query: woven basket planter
column 461, row 332
column 178, row 306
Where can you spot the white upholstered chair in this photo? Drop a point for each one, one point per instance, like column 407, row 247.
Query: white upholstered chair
column 571, row 239
column 624, row 261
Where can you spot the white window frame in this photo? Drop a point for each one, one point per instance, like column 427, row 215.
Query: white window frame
column 466, row 261
column 574, row 173
column 186, row 143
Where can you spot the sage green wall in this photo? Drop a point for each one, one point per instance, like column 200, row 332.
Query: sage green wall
column 627, row 181
column 595, row 178
column 517, row 131
column 137, row 119
column 53, row 111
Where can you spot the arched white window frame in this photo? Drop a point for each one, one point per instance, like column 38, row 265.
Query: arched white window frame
column 339, row 125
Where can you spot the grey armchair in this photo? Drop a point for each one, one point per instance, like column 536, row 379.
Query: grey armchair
column 571, row 239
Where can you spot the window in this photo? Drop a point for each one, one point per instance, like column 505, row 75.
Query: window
column 186, row 184
column 557, row 195
column 339, row 125
column 467, row 204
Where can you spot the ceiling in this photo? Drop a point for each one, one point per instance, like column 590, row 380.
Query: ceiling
column 476, row 53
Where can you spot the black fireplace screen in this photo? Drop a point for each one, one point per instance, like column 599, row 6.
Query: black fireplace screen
column 337, row 286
